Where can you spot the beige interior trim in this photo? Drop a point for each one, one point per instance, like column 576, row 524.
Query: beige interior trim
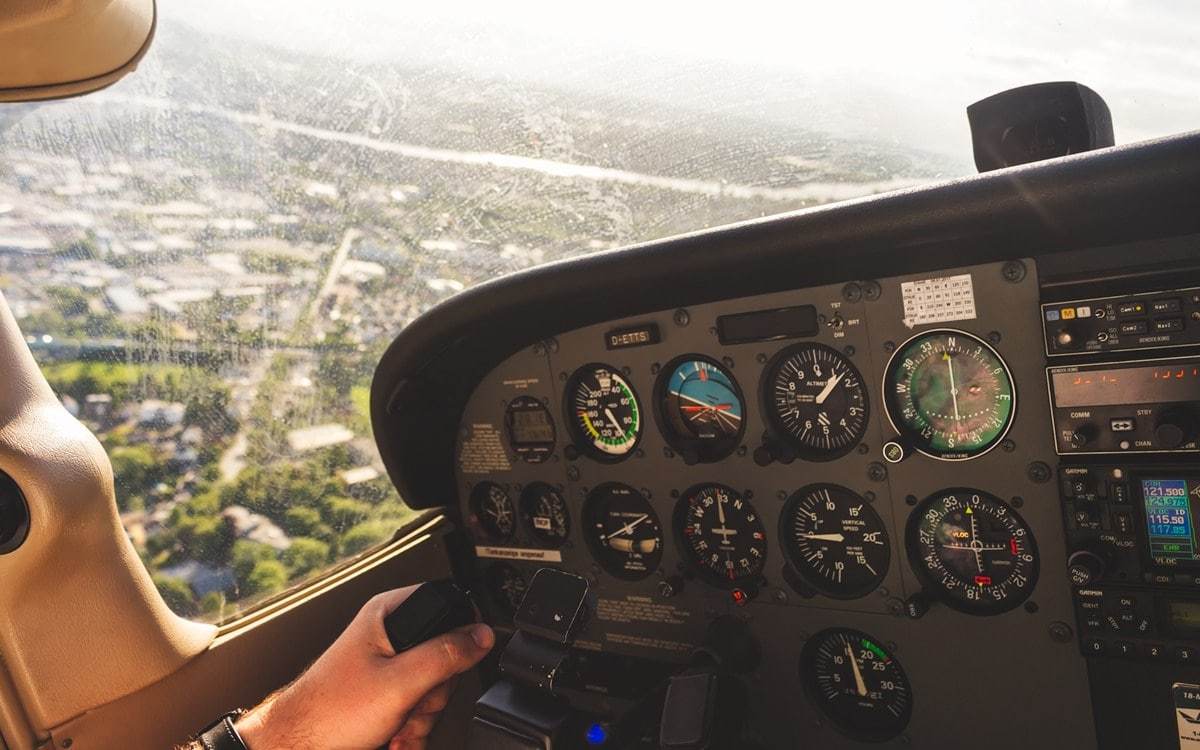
column 82, row 622
column 255, row 656
column 51, row 49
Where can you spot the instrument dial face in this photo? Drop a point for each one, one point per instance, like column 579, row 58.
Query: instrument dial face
column 856, row 683
column 622, row 531
column 972, row 550
column 603, row 411
column 949, row 394
column 722, row 535
column 494, row 511
column 546, row 515
column 530, row 429
column 835, row 540
column 816, row 400
column 700, row 408
column 507, row 586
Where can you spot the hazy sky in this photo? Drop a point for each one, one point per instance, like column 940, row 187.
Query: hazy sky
column 898, row 70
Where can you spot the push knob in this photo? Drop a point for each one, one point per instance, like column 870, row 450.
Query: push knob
column 1174, row 429
column 1083, row 435
column 1084, row 567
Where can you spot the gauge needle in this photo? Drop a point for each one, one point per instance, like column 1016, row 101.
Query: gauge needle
column 859, row 684
column 824, row 537
column 953, row 388
column 627, row 528
column 613, row 418
column 829, row 386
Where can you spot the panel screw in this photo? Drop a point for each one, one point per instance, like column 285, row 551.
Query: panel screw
column 889, row 346
column 876, row 471
column 869, row 497
column 1013, row 271
column 741, row 451
column 761, row 359
column 849, row 350
column 668, row 453
column 1008, row 446
column 852, row 292
column 682, row 318
column 538, row 349
column 552, row 345
column 1060, row 632
column 994, row 337
column 781, row 495
column 1038, row 472
column 573, row 473
column 728, row 362
column 654, row 368
column 863, row 449
column 910, row 499
column 871, row 290
column 780, row 596
column 1018, row 502
column 1031, row 607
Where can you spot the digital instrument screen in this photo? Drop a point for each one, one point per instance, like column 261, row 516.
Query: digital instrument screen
column 767, row 325
column 1171, row 509
column 531, row 426
column 1127, row 385
column 1183, row 616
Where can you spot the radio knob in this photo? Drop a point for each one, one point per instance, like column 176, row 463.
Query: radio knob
column 1085, row 566
column 1174, row 429
column 1083, row 435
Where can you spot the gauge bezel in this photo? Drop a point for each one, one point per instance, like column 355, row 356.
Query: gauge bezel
column 703, row 451
column 933, row 587
column 809, row 675
column 580, row 440
column 599, row 553
column 780, row 431
column 478, row 493
column 529, row 496
column 790, row 555
column 702, row 572
column 915, row 441
column 530, row 453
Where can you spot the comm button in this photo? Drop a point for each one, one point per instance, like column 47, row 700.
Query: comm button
column 1133, row 327
column 1128, row 309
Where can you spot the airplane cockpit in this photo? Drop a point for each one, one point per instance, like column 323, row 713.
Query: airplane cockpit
column 753, row 397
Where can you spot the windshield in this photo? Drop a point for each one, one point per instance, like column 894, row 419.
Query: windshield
column 209, row 257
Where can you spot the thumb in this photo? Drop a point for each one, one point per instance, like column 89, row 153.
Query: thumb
column 428, row 665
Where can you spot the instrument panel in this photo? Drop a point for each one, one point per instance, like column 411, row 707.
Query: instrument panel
column 860, row 472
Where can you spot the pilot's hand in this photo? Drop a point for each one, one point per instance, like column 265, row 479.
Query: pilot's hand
column 361, row 694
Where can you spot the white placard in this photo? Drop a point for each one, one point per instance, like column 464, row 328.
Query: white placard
column 938, row 300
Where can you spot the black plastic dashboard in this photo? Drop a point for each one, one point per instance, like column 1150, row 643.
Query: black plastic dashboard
column 764, row 422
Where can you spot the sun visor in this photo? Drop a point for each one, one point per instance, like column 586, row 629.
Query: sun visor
column 50, row 49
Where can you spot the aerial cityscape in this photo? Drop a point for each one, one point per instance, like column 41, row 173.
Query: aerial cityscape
column 209, row 258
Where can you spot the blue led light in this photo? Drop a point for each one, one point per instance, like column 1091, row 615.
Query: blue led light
column 596, row 735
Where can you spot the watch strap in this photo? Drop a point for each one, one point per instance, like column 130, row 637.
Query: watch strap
column 221, row 734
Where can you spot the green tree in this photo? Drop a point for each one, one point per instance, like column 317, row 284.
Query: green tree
column 301, row 521
column 207, row 539
column 177, row 594
column 366, row 535
column 213, row 605
column 136, row 470
column 267, row 577
column 246, row 555
column 342, row 512
column 305, row 555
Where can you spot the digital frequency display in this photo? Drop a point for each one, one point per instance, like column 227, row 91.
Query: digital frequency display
column 531, row 426
column 1171, row 508
column 1114, row 386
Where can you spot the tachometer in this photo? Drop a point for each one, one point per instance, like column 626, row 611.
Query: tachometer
column 815, row 399
column 722, row 534
column 835, row 541
column 700, row 408
column 545, row 513
column 603, row 412
column 493, row 511
column 622, row 531
column 856, row 683
column 972, row 551
column 949, row 394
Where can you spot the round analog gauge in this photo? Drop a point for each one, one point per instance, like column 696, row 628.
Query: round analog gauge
column 835, row 540
column 604, row 413
column 530, row 429
column 546, row 515
column 815, row 399
column 623, row 531
column 493, row 511
column 722, row 535
column 973, row 551
column 700, row 408
column 856, row 683
column 949, row 394
column 507, row 586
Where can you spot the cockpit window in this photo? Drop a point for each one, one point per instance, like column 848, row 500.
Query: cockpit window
column 209, row 257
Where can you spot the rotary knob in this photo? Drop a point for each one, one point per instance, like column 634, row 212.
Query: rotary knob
column 1174, row 428
column 1082, row 435
column 1085, row 566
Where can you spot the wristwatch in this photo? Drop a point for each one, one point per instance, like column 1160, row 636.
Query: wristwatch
column 221, row 735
